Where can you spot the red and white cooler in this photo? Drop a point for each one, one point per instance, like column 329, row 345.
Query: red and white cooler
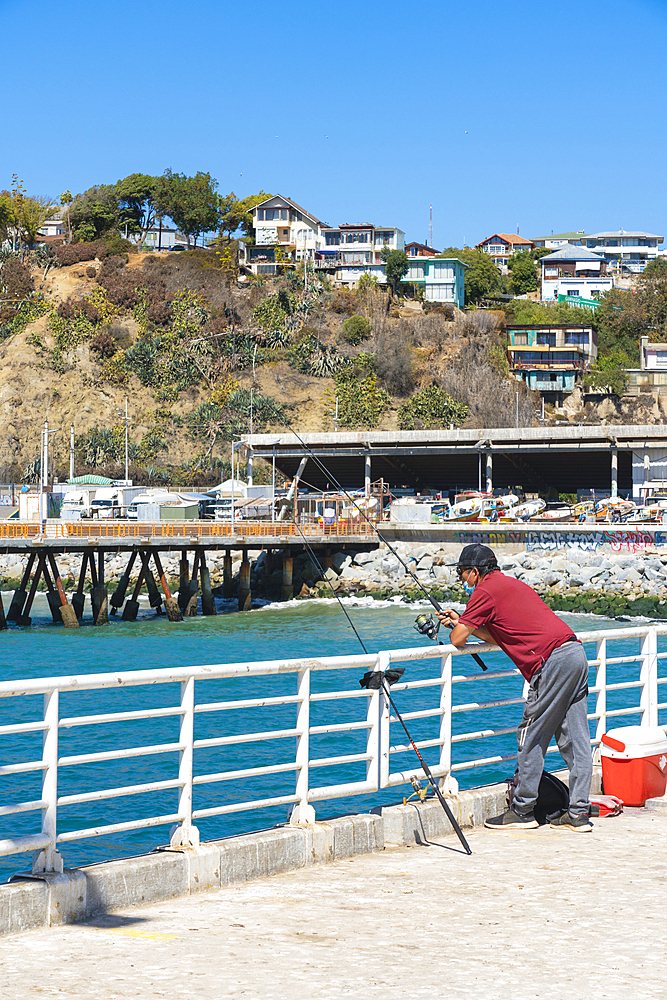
column 634, row 763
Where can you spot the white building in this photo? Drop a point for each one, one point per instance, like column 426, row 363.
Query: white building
column 53, row 227
column 625, row 250
column 356, row 249
column 558, row 240
column 574, row 271
column 281, row 222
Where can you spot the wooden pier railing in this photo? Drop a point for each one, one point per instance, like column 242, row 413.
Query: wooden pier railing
column 191, row 529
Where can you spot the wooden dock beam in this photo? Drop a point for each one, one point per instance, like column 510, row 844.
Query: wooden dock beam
column 170, row 603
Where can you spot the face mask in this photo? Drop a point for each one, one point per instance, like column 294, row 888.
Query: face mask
column 468, row 589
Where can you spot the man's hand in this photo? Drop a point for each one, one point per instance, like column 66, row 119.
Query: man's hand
column 448, row 617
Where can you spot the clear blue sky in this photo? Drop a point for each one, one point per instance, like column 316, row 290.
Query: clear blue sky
column 549, row 116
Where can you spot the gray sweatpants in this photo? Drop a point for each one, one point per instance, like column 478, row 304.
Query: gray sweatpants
column 556, row 706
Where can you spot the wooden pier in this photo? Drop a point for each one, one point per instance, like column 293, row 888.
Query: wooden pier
column 144, row 542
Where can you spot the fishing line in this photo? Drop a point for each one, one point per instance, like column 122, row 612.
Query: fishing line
column 319, row 567
column 365, row 516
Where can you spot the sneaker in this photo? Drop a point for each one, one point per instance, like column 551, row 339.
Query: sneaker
column 511, row 820
column 576, row 824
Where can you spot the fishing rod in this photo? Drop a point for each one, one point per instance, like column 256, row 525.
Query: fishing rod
column 375, row 680
column 424, row 623
column 378, row 679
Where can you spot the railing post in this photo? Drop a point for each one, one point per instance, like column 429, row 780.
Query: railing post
column 302, row 812
column 373, row 738
column 648, row 704
column 601, row 685
column 185, row 834
column 383, row 663
column 448, row 782
column 49, row 859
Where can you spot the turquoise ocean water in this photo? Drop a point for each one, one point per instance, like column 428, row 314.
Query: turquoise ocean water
column 296, row 629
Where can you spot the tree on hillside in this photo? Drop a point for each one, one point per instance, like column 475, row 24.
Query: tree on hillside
column 396, row 265
column 620, row 320
column 541, row 252
column 482, row 277
column 135, row 203
column 652, row 292
column 523, row 273
column 35, row 210
column 191, row 202
column 609, row 373
column 236, row 213
column 65, row 202
column 6, row 215
column 93, row 213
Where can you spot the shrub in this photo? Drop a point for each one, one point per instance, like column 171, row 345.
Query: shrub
column 16, row 279
column 103, row 344
column 91, row 272
column 430, row 409
column 76, row 253
column 115, row 244
column 356, row 329
column 159, row 313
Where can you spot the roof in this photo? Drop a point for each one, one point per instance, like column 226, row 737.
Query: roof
column 422, row 246
column 293, row 204
column 568, row 252
column 624, row 232
column 510, row 238
column 579, row 235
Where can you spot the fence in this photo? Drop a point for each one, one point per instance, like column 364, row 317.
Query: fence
column 358, row 721
column 179, row 529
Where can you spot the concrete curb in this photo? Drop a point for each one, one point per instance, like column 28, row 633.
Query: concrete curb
column 46, row 900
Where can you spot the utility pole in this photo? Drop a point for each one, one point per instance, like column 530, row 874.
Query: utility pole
column 127, row 450
column 430, row 227
column 517, row 409
column 71, row 451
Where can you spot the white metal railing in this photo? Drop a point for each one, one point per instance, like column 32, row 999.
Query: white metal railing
column 380, row 761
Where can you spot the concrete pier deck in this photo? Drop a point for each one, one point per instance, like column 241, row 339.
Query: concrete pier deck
column 532, row 914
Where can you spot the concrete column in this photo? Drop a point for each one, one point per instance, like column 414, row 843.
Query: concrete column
column 287, row 592
column 227, row 586
column 99, row 595
column 367, row 475
column 193, row 588
column 249, row 469
column 183, row 581
column 245, row 596
column 207, row 600
column 614, row 472
column 489, row 471
column 268, row 562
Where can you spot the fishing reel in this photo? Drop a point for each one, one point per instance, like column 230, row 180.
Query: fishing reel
column 425, row 625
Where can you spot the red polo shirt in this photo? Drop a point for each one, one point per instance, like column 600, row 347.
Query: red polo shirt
column 519, row 621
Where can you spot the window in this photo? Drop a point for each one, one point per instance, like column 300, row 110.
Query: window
column 661, row 358
column 332, row 239
column 574, row 292
column 546, row 338
column 520, row 339
column 576, row 337
column 357, row 237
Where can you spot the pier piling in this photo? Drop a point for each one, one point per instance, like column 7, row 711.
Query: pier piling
column 3, row 620
column 245, row 595
column 192, row 590
column 287, row 592
column 118, row 596
column 207, row 600
column 170, row 603
column 227, row 585
column 183, row 581
column 20, row 596
column 131, row 608
column 64, row 610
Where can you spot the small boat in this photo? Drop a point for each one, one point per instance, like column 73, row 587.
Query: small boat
column 466, row 510
column 525, row 511
column 613, row 509
column 557, row 514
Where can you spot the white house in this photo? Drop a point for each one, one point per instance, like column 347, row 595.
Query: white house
column 53, row 227
column 279, row 221
column 574, row 271
column 356, row 249
column 558, row 240
column 624, row 249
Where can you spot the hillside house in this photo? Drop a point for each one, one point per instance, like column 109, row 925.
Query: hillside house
column 442, row 278
column 420, row 250
column 651, row 376
column 550, row 359
column 558, row 240
column 625, row 250
column 281, row 222
column 501, row 245
column 574, row 271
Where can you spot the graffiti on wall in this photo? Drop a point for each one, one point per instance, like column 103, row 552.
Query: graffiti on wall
column 589, row 541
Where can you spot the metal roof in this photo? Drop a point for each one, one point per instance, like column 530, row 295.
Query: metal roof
column 568, row 252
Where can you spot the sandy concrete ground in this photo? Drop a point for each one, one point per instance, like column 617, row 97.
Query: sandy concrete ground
column 531, row 914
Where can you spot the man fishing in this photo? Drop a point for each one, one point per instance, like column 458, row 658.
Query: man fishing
column 509, row 614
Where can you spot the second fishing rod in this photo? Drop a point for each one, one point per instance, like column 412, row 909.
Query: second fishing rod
column 424, row 624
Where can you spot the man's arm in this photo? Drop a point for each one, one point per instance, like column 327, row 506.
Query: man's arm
column 460, row 634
